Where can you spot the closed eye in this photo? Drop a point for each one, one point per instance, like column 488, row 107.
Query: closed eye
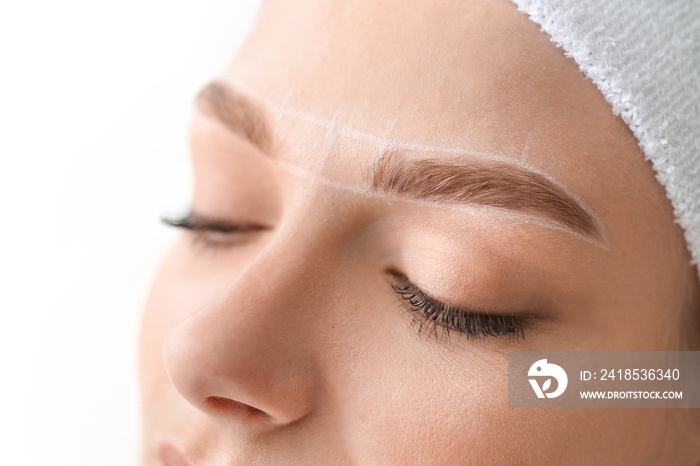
column 214, row 234
column 430, row 313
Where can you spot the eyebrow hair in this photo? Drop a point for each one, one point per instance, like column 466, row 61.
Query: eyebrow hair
column 494, row 184
column 237, row 112
column 498, row 185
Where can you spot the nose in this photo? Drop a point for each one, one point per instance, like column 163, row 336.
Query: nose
column 247, row 355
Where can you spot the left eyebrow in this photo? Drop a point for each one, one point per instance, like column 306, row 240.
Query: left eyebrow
column 237, row 112
column 497, row 185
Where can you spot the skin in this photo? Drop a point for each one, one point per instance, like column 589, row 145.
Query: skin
column 287, row 345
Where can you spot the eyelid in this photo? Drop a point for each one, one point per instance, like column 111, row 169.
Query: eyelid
column 471, row 322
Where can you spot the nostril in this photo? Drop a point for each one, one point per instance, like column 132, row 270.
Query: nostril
column 228, row 407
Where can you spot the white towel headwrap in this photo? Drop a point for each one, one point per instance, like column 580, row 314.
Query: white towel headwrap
column 644, row 56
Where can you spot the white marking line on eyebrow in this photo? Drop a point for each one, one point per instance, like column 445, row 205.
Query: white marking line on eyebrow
column 397, row 144
column 328, row 141
column 463, row 208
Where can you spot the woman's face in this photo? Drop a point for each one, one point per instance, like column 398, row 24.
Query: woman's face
column 360, row 156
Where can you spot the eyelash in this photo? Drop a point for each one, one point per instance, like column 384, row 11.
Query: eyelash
column 430, row 313
column 204, row 230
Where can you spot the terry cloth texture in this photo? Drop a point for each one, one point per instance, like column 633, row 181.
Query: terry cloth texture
column 644, row 56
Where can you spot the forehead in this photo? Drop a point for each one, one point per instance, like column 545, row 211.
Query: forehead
column 449, row 69
column 475, row 75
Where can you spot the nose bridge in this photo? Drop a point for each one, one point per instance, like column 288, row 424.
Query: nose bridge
column 287, row 276
column 294, row 266
column 251, row 345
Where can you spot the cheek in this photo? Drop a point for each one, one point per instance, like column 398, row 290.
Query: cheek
column 433, row 416
column 418, row 401
column 431, row 405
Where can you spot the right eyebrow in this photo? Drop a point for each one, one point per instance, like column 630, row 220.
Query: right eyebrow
column 498, row 185
column 237, row 112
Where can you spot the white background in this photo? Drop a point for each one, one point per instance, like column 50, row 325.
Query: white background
column 94, row 104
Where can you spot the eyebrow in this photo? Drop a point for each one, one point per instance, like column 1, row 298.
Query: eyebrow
column 494, row 184
column 237, row 112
